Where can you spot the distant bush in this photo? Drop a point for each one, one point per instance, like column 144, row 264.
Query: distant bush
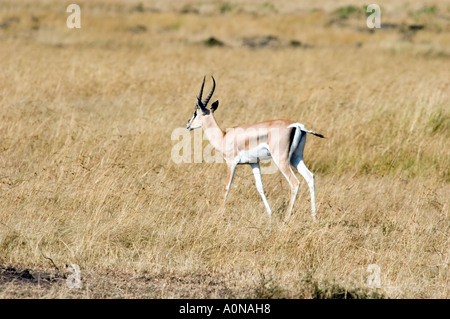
column 227, row 7
column 347, row 11
column 213, row 42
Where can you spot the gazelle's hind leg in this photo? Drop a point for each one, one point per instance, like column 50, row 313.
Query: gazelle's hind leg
column 297, row 162
column 309, row 178
column 285, row 168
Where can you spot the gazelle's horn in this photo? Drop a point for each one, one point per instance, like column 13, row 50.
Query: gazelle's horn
column 205, row 103
column 201, row 90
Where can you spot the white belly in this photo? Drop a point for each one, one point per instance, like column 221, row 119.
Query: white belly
column 261, row 152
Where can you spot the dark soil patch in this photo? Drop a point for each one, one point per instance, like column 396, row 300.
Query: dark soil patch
column 9, row 274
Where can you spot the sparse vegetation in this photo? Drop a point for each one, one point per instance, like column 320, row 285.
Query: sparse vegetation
column 86, row 176
column 268, row 7
column 440, row 122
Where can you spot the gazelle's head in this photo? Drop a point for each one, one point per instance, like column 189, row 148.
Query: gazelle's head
column 200, row 108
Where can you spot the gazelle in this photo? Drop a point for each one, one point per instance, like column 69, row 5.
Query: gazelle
column 281, row 140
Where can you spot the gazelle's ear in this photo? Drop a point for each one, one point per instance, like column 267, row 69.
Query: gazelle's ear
column 215, row 105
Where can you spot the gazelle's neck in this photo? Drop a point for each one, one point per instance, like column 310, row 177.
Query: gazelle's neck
column 213, row 132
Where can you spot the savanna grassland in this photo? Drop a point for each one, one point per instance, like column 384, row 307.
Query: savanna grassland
column 87, row 176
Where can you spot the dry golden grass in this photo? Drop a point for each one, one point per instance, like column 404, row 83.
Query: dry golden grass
column 86, row 175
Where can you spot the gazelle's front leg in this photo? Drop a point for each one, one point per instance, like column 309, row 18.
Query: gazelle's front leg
column 259, row 186
column 230, row 175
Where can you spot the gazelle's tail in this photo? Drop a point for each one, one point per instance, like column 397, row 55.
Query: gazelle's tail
column 297, row 136
column 303, row 128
